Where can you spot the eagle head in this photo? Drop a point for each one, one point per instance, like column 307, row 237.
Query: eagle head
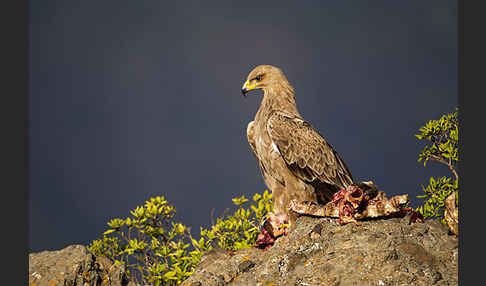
column 263, row 77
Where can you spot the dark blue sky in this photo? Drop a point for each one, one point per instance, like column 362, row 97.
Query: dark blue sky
column 134, row 99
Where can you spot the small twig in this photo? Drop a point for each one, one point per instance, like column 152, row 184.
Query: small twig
column 211, row 216
column 122, row 234
column 453, row 170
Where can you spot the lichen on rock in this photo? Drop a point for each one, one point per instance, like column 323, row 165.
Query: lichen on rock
column 74, row 265
column 318, row 251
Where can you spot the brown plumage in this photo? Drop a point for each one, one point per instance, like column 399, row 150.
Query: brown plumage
column 296, row 162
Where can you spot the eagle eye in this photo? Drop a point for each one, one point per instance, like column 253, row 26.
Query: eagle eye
column 259, row 77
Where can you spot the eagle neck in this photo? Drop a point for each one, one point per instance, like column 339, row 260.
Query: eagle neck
column 280, row 99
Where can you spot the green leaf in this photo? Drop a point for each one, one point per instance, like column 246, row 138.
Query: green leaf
column 257, row 197
column 239, row 201
column 108, row 231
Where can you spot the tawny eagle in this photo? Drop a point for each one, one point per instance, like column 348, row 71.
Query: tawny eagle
column 295, row 160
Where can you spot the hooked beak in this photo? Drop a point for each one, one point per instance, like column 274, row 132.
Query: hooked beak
column 244, row 91
column 247, row 87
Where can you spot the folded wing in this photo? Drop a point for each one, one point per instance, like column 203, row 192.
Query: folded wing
column 305, row 152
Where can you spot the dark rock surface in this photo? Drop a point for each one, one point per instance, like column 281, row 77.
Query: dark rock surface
column 73, row 266
column 319, row 252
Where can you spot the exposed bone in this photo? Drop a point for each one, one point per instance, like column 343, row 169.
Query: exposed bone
column 277, row 224
column 352, row 204
column 274, row 226
column 357, row 201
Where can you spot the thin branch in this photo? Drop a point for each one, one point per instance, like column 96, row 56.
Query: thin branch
column 455, row 173
column 439, row 159
column 191, row 239
column 448, row 164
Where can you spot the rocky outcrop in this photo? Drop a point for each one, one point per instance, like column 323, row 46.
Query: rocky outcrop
column 317, row 251
column 74, row 266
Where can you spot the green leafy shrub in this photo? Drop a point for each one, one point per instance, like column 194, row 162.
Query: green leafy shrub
column 442, row 146
column 240, row 230
column 155, row 250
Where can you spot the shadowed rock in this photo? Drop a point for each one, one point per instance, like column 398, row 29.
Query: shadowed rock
column 317, row 251
column 74, row 266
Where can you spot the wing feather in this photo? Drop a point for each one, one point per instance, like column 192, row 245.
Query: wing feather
column 305, row 152
column 250, row 134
